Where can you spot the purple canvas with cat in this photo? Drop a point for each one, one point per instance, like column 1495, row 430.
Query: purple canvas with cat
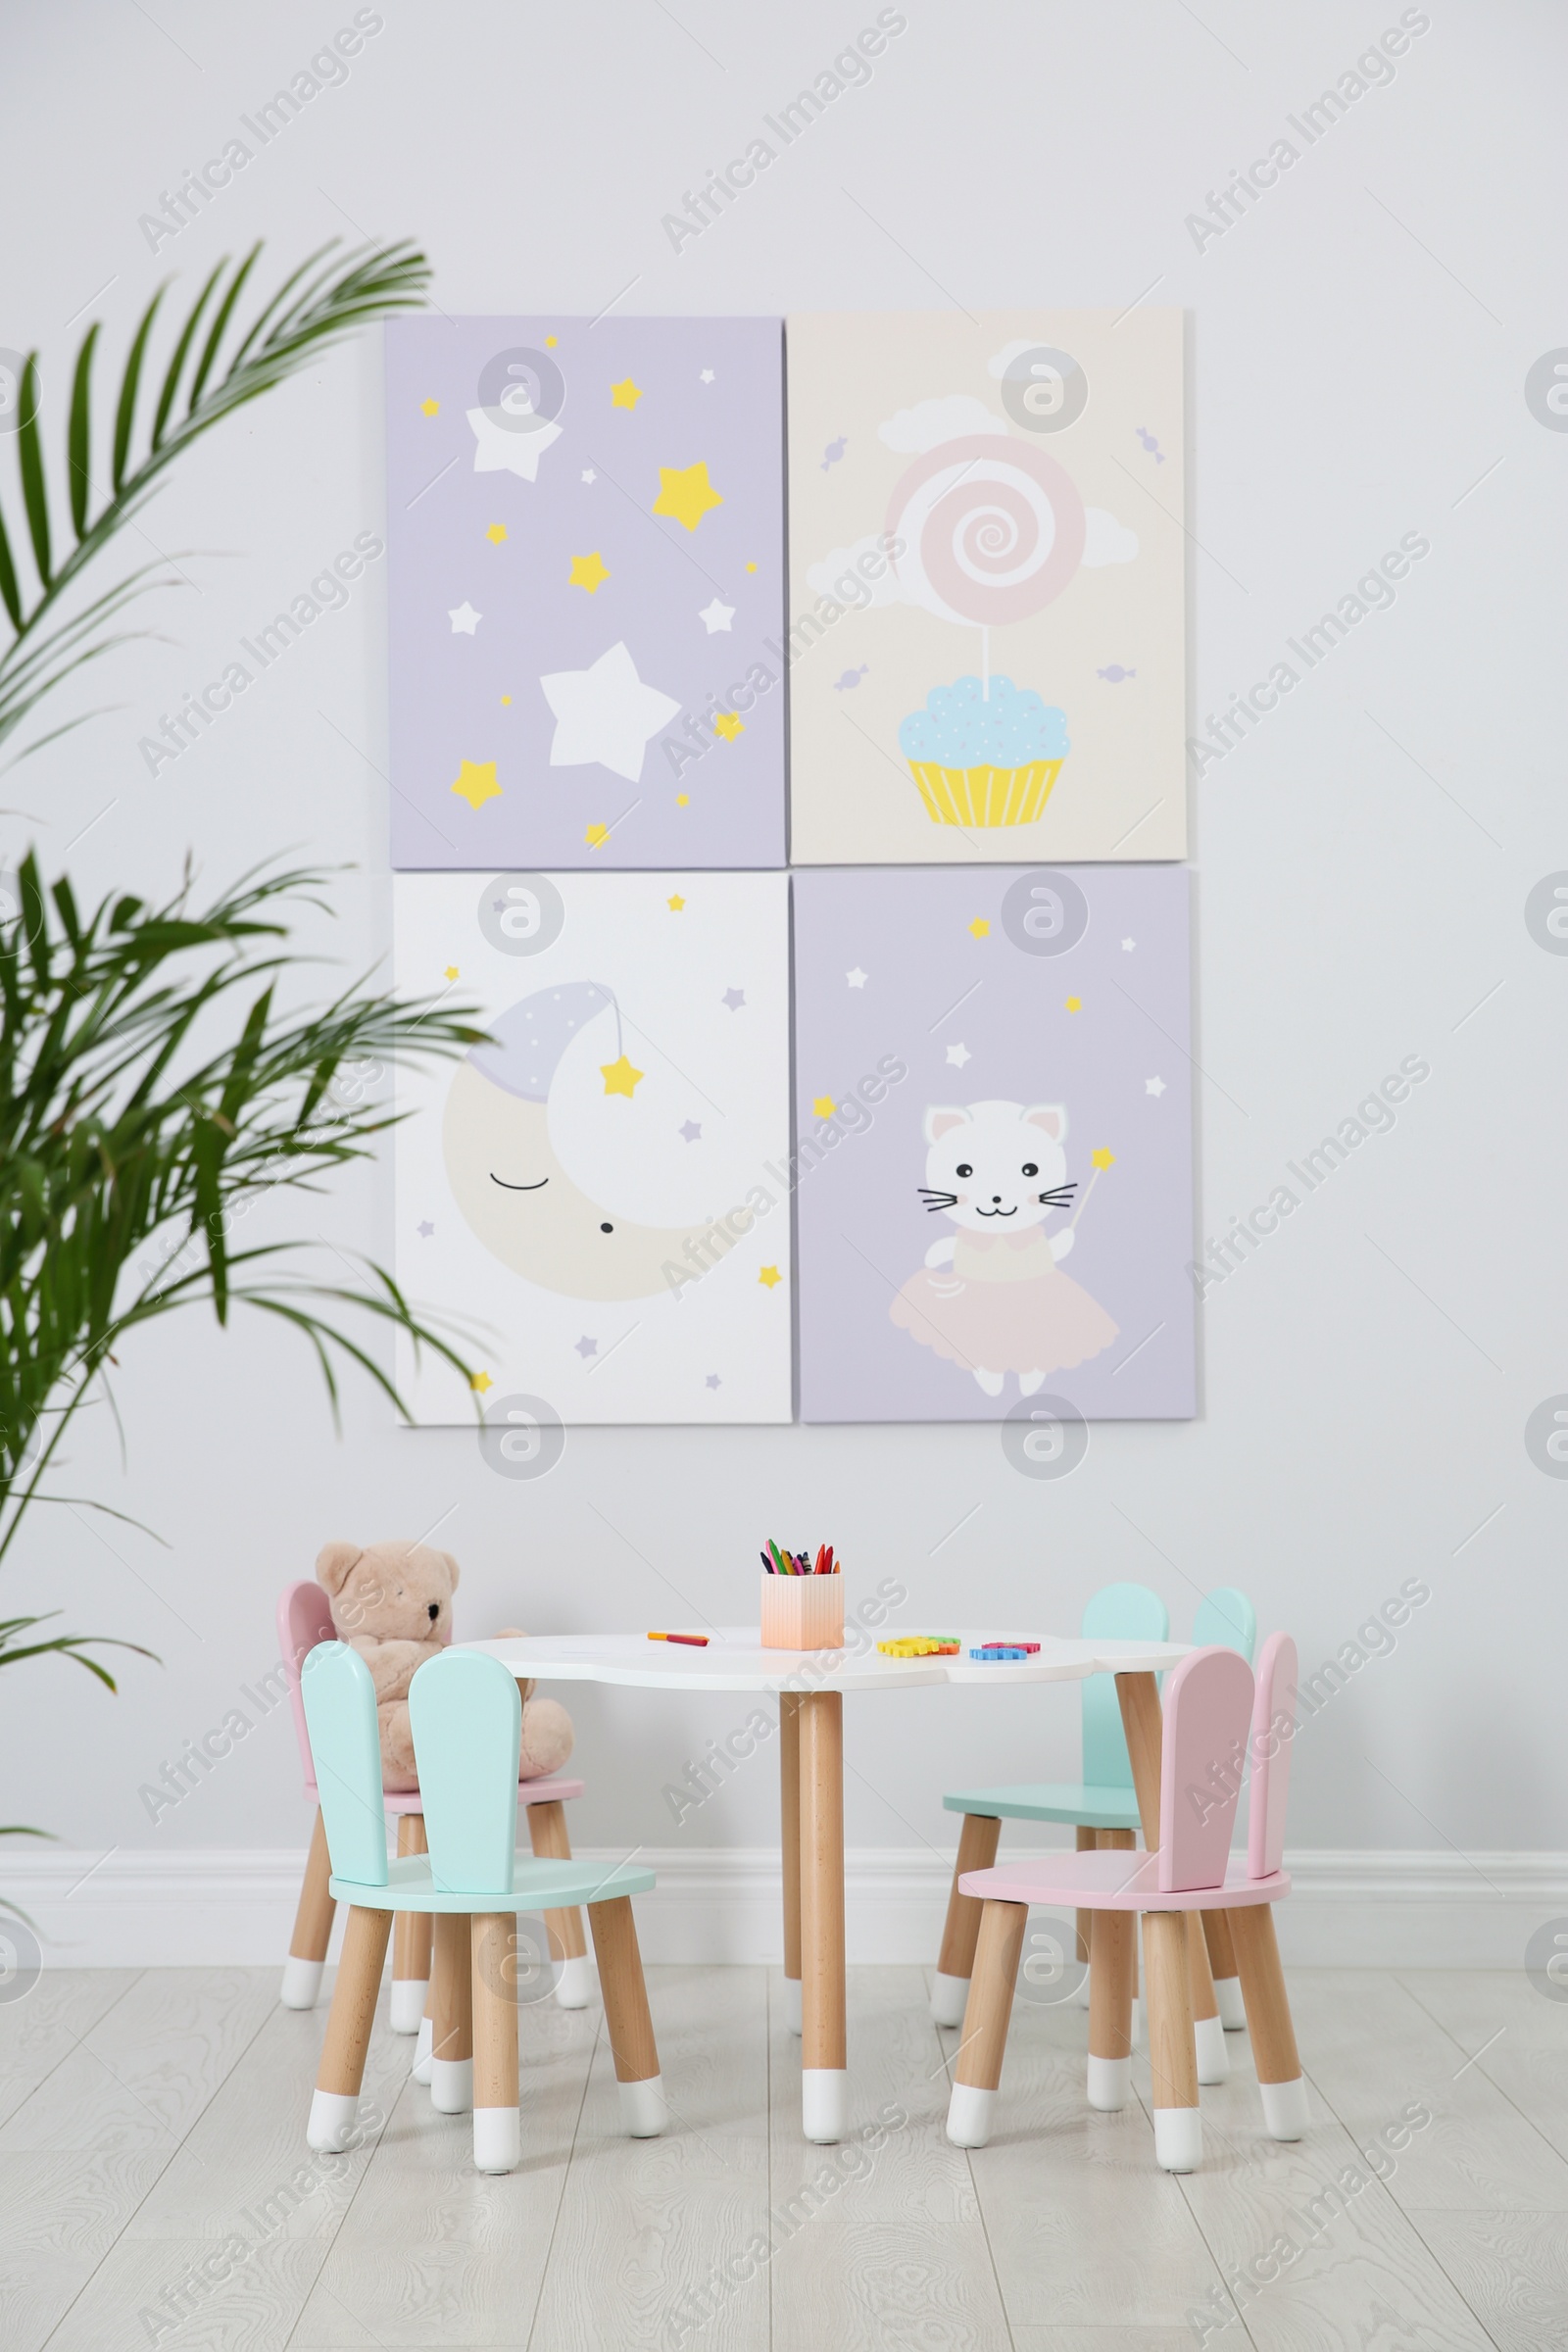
column 994, row 1177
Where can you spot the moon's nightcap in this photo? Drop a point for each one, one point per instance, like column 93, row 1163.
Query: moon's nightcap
column 532, row 1035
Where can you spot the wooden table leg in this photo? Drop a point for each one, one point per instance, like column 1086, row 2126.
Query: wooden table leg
column 824, row 2078
column 977, row 1850
column 789, row 1818
column 568, row 1945
column 411, row 1941
column 313, row 1927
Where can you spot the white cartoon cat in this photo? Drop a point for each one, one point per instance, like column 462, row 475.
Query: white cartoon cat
column 991, row 1296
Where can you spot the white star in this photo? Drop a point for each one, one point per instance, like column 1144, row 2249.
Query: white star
column 707, row 375
column 1127, row 946
column 588, row 475
column 604, row 713
column 716, row 616
column 857, row 978
column 463, row 618
column 957, row 1055
column 1154, row 1086
column 499, row 447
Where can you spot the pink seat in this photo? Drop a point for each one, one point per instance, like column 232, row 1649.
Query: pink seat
column 1215, row 1720
column 305, row 1618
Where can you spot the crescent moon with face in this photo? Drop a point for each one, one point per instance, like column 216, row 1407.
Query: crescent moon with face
column 512, row 1188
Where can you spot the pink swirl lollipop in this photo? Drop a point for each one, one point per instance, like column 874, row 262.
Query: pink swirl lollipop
column 993, row 530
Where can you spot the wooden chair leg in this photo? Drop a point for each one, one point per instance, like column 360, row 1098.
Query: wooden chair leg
column 568, row 1945
column 1110, row 2009
column 411, row 1941
column 1222, row 1963
column 335, row 2106
column 1172, row 2056
column 452, row 2025
column 626, row 2017
column 824, row 2080
column 497, row 2122
column 424, row 2048
column 1214, row 2065
column 977, row 1850
column 977, row 2067
column 313, row 1927
column 789, row 1825
column 1268, row 2021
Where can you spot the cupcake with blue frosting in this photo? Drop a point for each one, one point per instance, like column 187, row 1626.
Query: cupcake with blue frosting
column 984, row 755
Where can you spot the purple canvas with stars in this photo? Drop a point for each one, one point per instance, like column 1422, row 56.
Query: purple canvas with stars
column 586, row 544
column 985, row 1060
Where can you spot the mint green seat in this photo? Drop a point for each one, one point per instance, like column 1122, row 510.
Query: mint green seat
column 466, row 1714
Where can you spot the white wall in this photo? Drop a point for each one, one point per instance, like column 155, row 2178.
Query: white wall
column 1359, row 345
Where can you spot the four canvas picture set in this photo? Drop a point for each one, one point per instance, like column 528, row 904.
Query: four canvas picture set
column 808, row 833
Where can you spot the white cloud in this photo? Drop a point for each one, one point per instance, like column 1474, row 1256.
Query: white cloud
column 1105, row 540
column 931, row 422
column 843, row 564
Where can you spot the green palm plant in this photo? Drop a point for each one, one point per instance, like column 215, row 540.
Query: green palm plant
column 153, row 1089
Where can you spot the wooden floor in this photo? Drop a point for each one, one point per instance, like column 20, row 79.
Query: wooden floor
column 153, row 2122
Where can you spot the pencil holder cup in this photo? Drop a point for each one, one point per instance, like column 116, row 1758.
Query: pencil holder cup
column 803, row 1612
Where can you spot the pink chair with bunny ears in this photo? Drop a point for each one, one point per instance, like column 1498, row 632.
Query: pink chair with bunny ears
column 305, row 1618
column 1216, row 1720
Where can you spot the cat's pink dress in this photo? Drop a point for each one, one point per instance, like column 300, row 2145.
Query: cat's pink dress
column 1005, row 1307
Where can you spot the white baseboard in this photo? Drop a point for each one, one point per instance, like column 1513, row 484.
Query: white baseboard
column 135, row 1908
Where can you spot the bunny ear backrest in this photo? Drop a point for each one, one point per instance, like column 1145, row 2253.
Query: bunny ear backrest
column 345, row 1743
column 466, row 1713
column 1273, row 1737
column 1208, row 1701
column 304, row 1618
column 1115, row 1613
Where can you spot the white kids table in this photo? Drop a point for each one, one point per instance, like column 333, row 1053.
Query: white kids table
column 809, row 1686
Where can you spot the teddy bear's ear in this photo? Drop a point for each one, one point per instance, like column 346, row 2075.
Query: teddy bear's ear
column 333, row 1562
column 453, row 1565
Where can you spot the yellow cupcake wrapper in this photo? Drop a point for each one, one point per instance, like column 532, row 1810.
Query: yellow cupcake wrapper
column 985, row 796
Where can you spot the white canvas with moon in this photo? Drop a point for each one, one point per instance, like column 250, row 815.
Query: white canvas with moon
column 601, row 1195
column 986, row 586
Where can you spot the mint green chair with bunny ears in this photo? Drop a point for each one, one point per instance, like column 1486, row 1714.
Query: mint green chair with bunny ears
column 1103, row 1800
column 466, row 1713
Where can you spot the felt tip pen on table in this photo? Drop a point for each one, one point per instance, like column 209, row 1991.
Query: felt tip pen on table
column 691, row 1640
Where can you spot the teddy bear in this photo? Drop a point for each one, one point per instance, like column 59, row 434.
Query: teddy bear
column 392, row 1602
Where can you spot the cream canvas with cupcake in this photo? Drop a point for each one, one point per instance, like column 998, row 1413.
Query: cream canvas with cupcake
column 987, row 656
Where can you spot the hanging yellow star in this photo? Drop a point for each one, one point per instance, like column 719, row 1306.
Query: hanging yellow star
column 481, row 1381
column 597, row 836
column 1102, row 1158
column 449, row 972
column 551, row 341
column 824, row 1106
column 1075, row 1004
column 980, row 928
column 626, row 395
column 429, row 408
column 728, row 725
column 675, row 903
column 750, row 566
column 686, row 494
column 683, row 800
column 770, row 1277
column 619, row 1077
column 496, row 533
column 588, row 570
column 476, row 782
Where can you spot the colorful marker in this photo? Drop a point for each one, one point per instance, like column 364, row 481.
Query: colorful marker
column 691, row 1640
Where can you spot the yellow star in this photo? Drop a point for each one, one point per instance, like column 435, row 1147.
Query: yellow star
column 496, row 533
column 597, row 836
column 686, row 494
column 675, row 903
column 750, row 566
column 476, row 782
column 481, row 1381
column 980, row 928
column 588, row 570
column 1075, row 1004
column 551, row 341
column 449, row 972
column 504, row 699
column 1102, row 1159
column 619, row 1077
column 626, row 395
column 824, row 1106
column 770, row 1277
column 683, row 800
column 429, row 408
column 728, row 725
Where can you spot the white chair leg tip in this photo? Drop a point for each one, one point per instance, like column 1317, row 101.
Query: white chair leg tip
column 824, row 2103
column 643, row 2109
column 970, row 2113
column 1178, row 2138
column 497, row 2140
column 422, row 2048
column 1285, row 2112
column 1232, row 2007
column 574, row 1989
column 301, row 1983
column 334, row 2116
column 1213, row 2062
column 452, row 2086
column 1110, row 2083
column 406, row 2012
column 950, row 1997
